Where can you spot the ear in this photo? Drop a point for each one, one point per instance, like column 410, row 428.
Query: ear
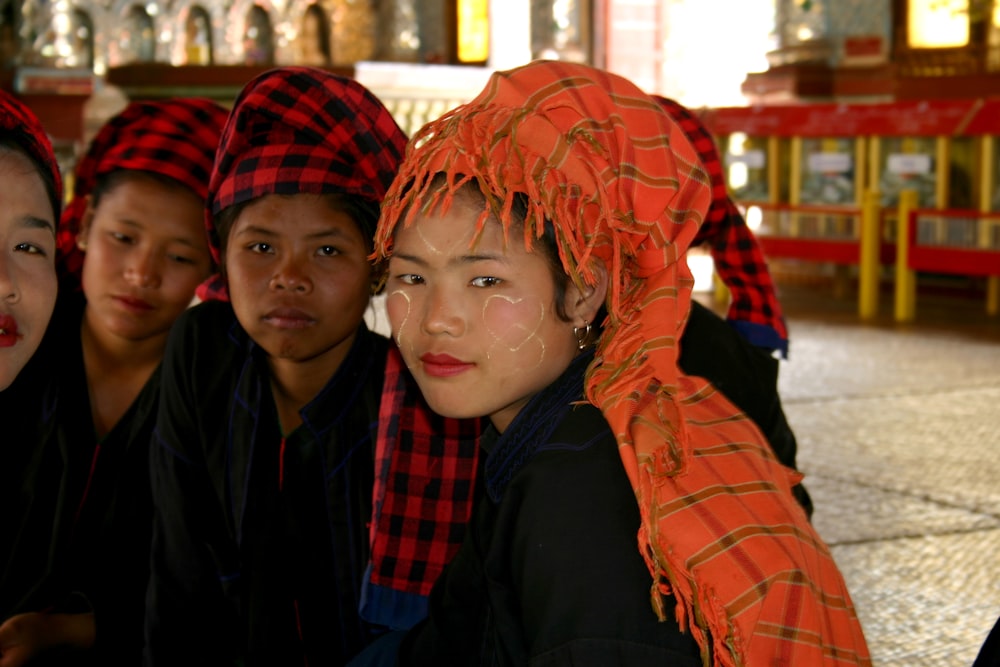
column 582, row 305
column 85, row 224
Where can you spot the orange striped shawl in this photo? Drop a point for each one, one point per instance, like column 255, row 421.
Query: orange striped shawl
column 621, row 183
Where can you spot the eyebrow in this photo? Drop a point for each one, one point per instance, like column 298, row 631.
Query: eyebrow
column 461, row 259
column 175, row 239
column 264, row 231
column 34, row 222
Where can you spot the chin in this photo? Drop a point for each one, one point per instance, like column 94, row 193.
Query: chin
column 452, row 409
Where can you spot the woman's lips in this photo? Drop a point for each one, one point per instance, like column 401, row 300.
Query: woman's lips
column 443, row 365
column 8, row 331
column 134, row 304
column 289, row 318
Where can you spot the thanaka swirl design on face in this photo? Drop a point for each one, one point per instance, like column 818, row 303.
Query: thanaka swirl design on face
column 506, row 339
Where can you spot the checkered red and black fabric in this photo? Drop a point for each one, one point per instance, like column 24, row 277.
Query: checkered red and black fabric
column 303, row 130
column 739, row 261
column 20, row 126
column 426, row 469
column 174, row 138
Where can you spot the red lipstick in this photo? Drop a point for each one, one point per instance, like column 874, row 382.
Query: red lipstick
column 443, row 365
column 8, row 331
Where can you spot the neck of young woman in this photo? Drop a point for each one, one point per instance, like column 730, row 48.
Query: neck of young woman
column 295, row 383
column 117, row 369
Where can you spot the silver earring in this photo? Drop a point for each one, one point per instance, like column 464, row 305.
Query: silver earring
column 81, row 244
column 582, row 335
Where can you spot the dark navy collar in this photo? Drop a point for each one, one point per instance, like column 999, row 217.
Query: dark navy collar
column 530, row 430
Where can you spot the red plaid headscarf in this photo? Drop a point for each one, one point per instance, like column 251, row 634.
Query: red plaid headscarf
column 739, row 261
column 301, row 130
column 174, row 138
column 620, row 182
column 20, row 125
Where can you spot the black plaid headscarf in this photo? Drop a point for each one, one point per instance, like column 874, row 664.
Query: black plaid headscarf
column 174, row 138
column 304, row 130
column 19, row 123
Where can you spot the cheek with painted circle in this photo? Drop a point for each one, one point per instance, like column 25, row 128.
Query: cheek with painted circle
column 514, row 327
column 399, row 308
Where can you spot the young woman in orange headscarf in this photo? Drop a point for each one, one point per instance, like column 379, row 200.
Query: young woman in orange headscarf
column 630, row 513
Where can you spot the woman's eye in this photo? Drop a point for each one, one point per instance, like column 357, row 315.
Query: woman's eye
column 121, row 238
column 181, row 259
column 260, row 247
column 327, row 251
column 486, row 281
column 409, row 279
column 30, row 248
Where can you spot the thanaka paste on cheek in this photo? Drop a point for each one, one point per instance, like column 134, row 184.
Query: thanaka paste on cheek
column 514, row 324
column 398, row 307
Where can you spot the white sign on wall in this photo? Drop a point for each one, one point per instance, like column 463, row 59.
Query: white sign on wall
column 830, row 163
column 909, row 163
column 753, row 159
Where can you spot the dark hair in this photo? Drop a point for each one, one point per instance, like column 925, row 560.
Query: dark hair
column 363, row 211
column 548, row 245
column 22, row 142
column 549, row 248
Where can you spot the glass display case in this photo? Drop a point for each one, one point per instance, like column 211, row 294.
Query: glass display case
column 560, row 29
column 828, row 172
column 746, row 167
column 313, row 42
column 135, row 38
column 258, row 38
column 907, row 163
column 62, row 37
column 198, row 37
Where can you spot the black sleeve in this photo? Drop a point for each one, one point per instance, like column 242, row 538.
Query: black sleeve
column 189, row 620
column 114, row 571
column 989, row 652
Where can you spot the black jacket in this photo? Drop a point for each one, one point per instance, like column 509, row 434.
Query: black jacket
column 260, row 542
column 75, row 515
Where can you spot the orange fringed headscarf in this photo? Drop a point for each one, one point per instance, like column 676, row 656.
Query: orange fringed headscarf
column 621, row 183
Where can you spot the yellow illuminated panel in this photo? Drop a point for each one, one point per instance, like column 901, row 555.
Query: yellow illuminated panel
column 473, row 31
column 938, row 23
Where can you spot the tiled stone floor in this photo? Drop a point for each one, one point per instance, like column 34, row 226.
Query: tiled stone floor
column 899, row 436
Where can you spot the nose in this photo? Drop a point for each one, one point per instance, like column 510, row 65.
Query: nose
column 143, row 269
column 441, row 313
column 9, row 290
column 292, row 275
